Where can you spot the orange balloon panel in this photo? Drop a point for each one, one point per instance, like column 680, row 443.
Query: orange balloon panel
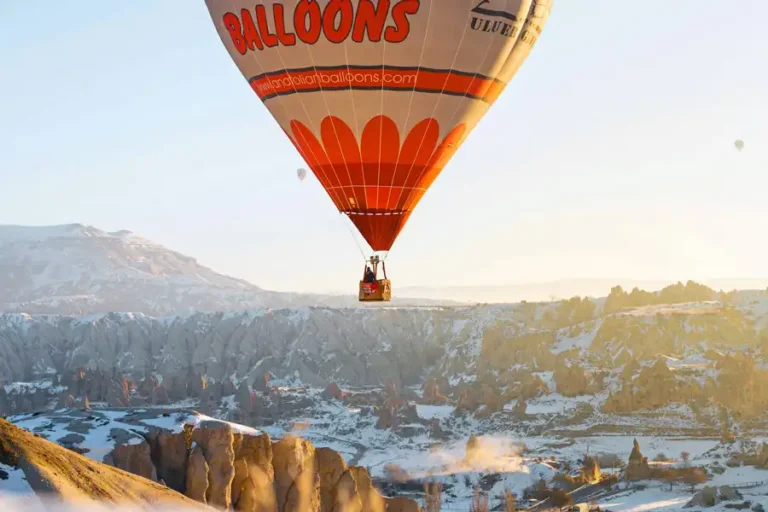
column 377, row 95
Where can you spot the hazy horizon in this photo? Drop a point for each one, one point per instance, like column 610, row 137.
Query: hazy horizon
column 611, row 153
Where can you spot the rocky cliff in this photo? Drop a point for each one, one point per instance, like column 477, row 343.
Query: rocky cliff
column 53, row 472
column 477, row 358
column 223, row 465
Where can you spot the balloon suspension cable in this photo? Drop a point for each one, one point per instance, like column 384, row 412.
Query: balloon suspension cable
column 359, row 247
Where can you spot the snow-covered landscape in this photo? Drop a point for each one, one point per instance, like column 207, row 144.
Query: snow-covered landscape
column 489, row 398
column 508, row 460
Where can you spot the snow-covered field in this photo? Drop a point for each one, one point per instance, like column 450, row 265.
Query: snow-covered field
column 506, row 460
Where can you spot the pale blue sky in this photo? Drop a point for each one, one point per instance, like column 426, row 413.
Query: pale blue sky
column 610, row 155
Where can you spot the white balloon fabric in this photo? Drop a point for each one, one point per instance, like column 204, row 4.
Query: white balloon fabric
column 377, row 95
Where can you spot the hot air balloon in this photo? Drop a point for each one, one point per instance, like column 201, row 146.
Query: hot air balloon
column 377, row 95
column 739, row 144
column 301, row 173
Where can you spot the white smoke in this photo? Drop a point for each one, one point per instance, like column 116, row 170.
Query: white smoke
column 492, row 455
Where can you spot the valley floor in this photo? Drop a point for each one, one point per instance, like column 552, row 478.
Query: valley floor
column 510, row 457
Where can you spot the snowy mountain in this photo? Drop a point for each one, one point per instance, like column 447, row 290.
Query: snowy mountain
column 75, row 269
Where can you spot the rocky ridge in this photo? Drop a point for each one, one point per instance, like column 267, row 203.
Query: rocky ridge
column 478, row 358
column 55, row 472
column 220, row 464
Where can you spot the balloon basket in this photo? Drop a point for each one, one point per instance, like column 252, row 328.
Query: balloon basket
column 379, row 291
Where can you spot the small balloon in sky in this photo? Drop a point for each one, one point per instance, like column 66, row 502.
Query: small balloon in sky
column 739, row 144
column 301, row 173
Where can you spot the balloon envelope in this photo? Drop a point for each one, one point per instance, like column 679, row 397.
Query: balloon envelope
column 377, row 95
column 739, row 144
column 301, row 173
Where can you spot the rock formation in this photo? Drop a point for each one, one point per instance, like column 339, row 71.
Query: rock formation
column 170, row 454
column 333, row 391
column 297, row 485
column 254, row 474
column 570, row 380
column 135, row 458
column 197, row 475
column 223, row 468
column 55, row 472
column 216, row 440
column 637, row 467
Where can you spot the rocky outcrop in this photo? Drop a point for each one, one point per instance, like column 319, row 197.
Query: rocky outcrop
column 346, row 496
column 338, row 488
column 330, row 468
column 216, row 439
column 492, row 402
column 297, row 485
column 435, row 391
column 620, row 401
column 472, row 449
column 66, row 401
column 371, row 499
column 159, row 396
column 217, row 464
column 705, row 498
column 333, row 392
column 637, row 467
column 400, row 504
column 134, row 458
column 655, row 386
column 118, row 394
column 76, row 481
column 170, row 455
column 252, row 485
column 570, row 380
column 197, row 476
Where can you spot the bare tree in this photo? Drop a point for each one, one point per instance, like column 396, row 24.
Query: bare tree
column 669, row 477
column 686, row 458
column 694, row 477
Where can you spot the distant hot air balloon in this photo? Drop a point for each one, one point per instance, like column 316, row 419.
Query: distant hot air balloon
column 301, row 173
column 377, row 96
column 739, row 144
